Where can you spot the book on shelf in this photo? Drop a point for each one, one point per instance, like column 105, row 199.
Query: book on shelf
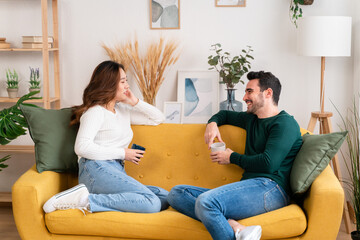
column 4, row 45
column 34, row 45
column 36, row 39
column 2, row 40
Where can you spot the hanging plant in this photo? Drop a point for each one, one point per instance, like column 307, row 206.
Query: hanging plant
column 295, row 10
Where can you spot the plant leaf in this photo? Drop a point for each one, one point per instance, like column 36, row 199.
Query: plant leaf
column 12, row 121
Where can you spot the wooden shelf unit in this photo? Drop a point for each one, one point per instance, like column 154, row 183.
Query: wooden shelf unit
column 46, row 100
column 17, row 149
column 26, row 49
column 14, row 100
column 5, row 197
column 45, row 51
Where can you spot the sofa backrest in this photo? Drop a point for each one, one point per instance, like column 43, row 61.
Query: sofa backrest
column 177, row 154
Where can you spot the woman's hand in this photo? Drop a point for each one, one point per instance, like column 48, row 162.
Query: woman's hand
column 212, row 132
column 221, row 157
column 131, row 99
column 133, row 155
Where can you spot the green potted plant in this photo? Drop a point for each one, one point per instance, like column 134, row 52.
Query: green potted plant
column 295, row 10
column 34, row 81
column 231, row 70
column 12, row 81
column 351, row 123
column 13, row 124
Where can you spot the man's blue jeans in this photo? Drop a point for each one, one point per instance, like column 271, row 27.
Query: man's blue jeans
column 111, row 189
column 236, row 201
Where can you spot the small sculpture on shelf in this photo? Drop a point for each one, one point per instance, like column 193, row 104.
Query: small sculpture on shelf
column 231, row 71
column 12, row 81
column 34, row 81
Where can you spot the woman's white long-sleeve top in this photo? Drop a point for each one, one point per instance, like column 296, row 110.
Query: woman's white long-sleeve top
column 104, row 135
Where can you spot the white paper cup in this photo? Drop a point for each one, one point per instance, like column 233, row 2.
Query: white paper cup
column 218, row 146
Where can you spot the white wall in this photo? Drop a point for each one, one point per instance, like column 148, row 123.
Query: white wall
column 356, row 50
column 263, row 24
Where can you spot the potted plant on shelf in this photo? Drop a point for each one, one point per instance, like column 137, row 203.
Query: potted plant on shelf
column 34, row 81
column 351, row 123
column 12, row 81
column 13, row 123
column 231, row 70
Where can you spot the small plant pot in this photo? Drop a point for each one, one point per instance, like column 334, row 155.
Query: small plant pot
column 12, row 92
column 307, row 2
column 34, row 90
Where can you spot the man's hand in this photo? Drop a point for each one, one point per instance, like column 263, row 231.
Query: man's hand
column 221, row 157
column 133, row 155
column 212, row 132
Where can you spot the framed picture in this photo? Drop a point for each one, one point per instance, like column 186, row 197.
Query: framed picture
column 199, row 92
column 173, row 112
column 164, row 14
column 230, row 3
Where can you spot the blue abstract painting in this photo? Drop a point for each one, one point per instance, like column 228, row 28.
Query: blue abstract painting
column 198, row 93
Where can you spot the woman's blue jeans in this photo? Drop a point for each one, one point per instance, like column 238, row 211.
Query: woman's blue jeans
column 236, row 201
column 111, row 189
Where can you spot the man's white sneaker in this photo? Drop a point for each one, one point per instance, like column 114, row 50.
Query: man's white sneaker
column 249, row 233
column 76, row 197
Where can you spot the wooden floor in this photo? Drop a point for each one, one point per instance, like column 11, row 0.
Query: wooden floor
column 8, row 229
column 7, row 224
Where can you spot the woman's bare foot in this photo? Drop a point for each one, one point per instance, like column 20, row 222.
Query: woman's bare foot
column 235, row 225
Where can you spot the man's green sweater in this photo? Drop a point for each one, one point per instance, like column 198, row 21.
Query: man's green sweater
column 271, row 144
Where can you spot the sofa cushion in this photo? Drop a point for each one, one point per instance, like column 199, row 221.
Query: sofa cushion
column 314, row 155
column 53, row 137
column 168, row 224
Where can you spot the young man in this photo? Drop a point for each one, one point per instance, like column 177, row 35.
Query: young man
column 272, row 142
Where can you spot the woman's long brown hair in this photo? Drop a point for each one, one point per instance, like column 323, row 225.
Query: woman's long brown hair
column 100, row 90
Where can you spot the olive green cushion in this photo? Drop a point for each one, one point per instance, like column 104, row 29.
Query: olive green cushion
column 53, row 137
column 314, row 155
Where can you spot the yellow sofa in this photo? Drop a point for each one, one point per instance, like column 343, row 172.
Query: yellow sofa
column 175, row 154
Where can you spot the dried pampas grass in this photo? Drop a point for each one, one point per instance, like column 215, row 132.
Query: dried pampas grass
column 149, row 69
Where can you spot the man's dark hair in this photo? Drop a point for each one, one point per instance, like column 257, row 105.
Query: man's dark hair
column 267, row 80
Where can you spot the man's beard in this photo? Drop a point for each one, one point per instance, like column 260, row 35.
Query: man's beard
column 256, row 106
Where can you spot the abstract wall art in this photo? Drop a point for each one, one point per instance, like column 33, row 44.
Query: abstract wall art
column 164, row 14
column 230, row 3
column 199, row 92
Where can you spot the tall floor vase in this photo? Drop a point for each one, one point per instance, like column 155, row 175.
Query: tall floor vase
column 231, row 103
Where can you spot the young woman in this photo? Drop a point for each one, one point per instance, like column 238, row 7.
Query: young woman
column 108, row 110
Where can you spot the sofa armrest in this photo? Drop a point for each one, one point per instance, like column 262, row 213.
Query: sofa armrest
column 29, row 193
column 323, row 206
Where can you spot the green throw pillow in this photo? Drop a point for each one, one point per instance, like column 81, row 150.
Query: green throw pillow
column 313, row 157
column 53, row 137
